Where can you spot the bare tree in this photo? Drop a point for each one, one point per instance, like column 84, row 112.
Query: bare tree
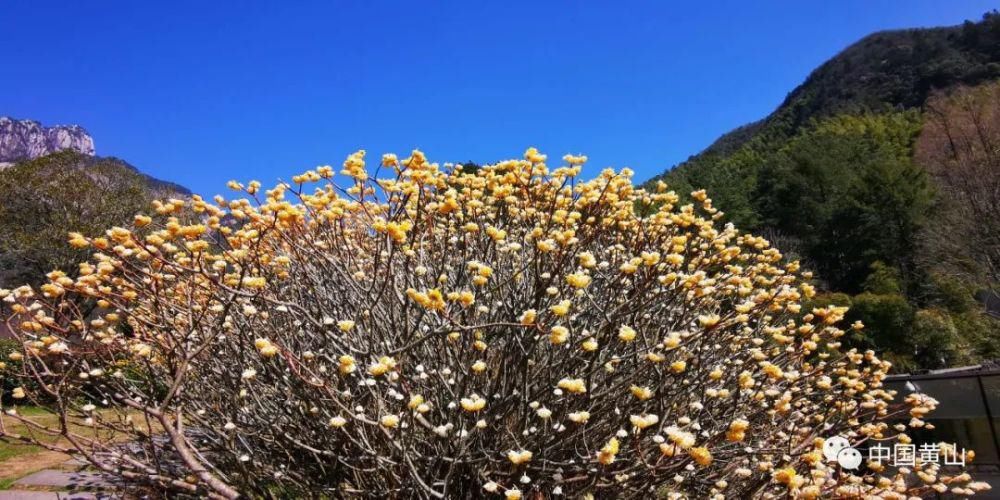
column 960, row 147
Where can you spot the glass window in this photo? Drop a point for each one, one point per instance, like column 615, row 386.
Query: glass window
column 961, row 416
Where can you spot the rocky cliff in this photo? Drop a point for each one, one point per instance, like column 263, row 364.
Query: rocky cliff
column 28, row 139
column 25, row 140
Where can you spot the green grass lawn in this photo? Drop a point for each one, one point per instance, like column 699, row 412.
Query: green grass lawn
column 18, row 456
column 15, row 455
column 11, row 449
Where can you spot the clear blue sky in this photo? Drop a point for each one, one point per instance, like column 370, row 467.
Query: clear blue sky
column 202, row 92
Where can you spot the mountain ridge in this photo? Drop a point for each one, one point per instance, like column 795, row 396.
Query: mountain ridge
column 25, row 139
column 29, row 139
column 891, row 69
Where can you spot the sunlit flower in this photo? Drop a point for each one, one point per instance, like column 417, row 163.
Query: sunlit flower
column 785, row 476
column 737, row 430
column 58, row 348
column 559, row 334
column 641, row 393
column 562, row 308
column 518, row 457
column 473, row 403
column 640, row 422
column 683, row 439
column 773, row 370
column 528, row 317
column 574, row 385
column 266, row 348
column 701, row 456
column 347, row 364
column 389, row 421
column 626, row 333
column 578, row 280
column 708, row 320
column 607, row 454
column 380, row 367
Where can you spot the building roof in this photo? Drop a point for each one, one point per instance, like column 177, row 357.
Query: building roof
column 990, row 367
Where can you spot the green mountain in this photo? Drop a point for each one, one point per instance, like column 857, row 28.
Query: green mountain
column 833, row 177
column 883, row 71
column 45, row 198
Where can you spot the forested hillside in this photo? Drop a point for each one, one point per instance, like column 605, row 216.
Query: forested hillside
column 877, row 172
column 42, row 200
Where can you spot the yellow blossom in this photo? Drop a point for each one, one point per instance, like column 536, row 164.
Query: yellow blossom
column 473, row 403
column 701, row 456
column 578, row 280
column 266, row 348
column 772, row 370
column 415, row 401
column 640, row 422
column 737, row 430
column 708, row 320
column 382, row 366
column 142, row 220
column 519, row 457
column 528, row 317
column 389, row 421
column 347, row 364
column 573, row 385
column 785, row 476
column 559, row 335
column 641, row 393
column 626, row 333
column 562, row 308
column 607, row 454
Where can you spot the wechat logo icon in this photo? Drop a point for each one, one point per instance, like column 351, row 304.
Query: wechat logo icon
column 839, row 449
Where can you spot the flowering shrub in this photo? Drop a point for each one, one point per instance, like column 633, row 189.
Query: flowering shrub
column 516, row 332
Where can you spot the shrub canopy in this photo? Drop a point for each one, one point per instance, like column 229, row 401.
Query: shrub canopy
column 514, row 331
